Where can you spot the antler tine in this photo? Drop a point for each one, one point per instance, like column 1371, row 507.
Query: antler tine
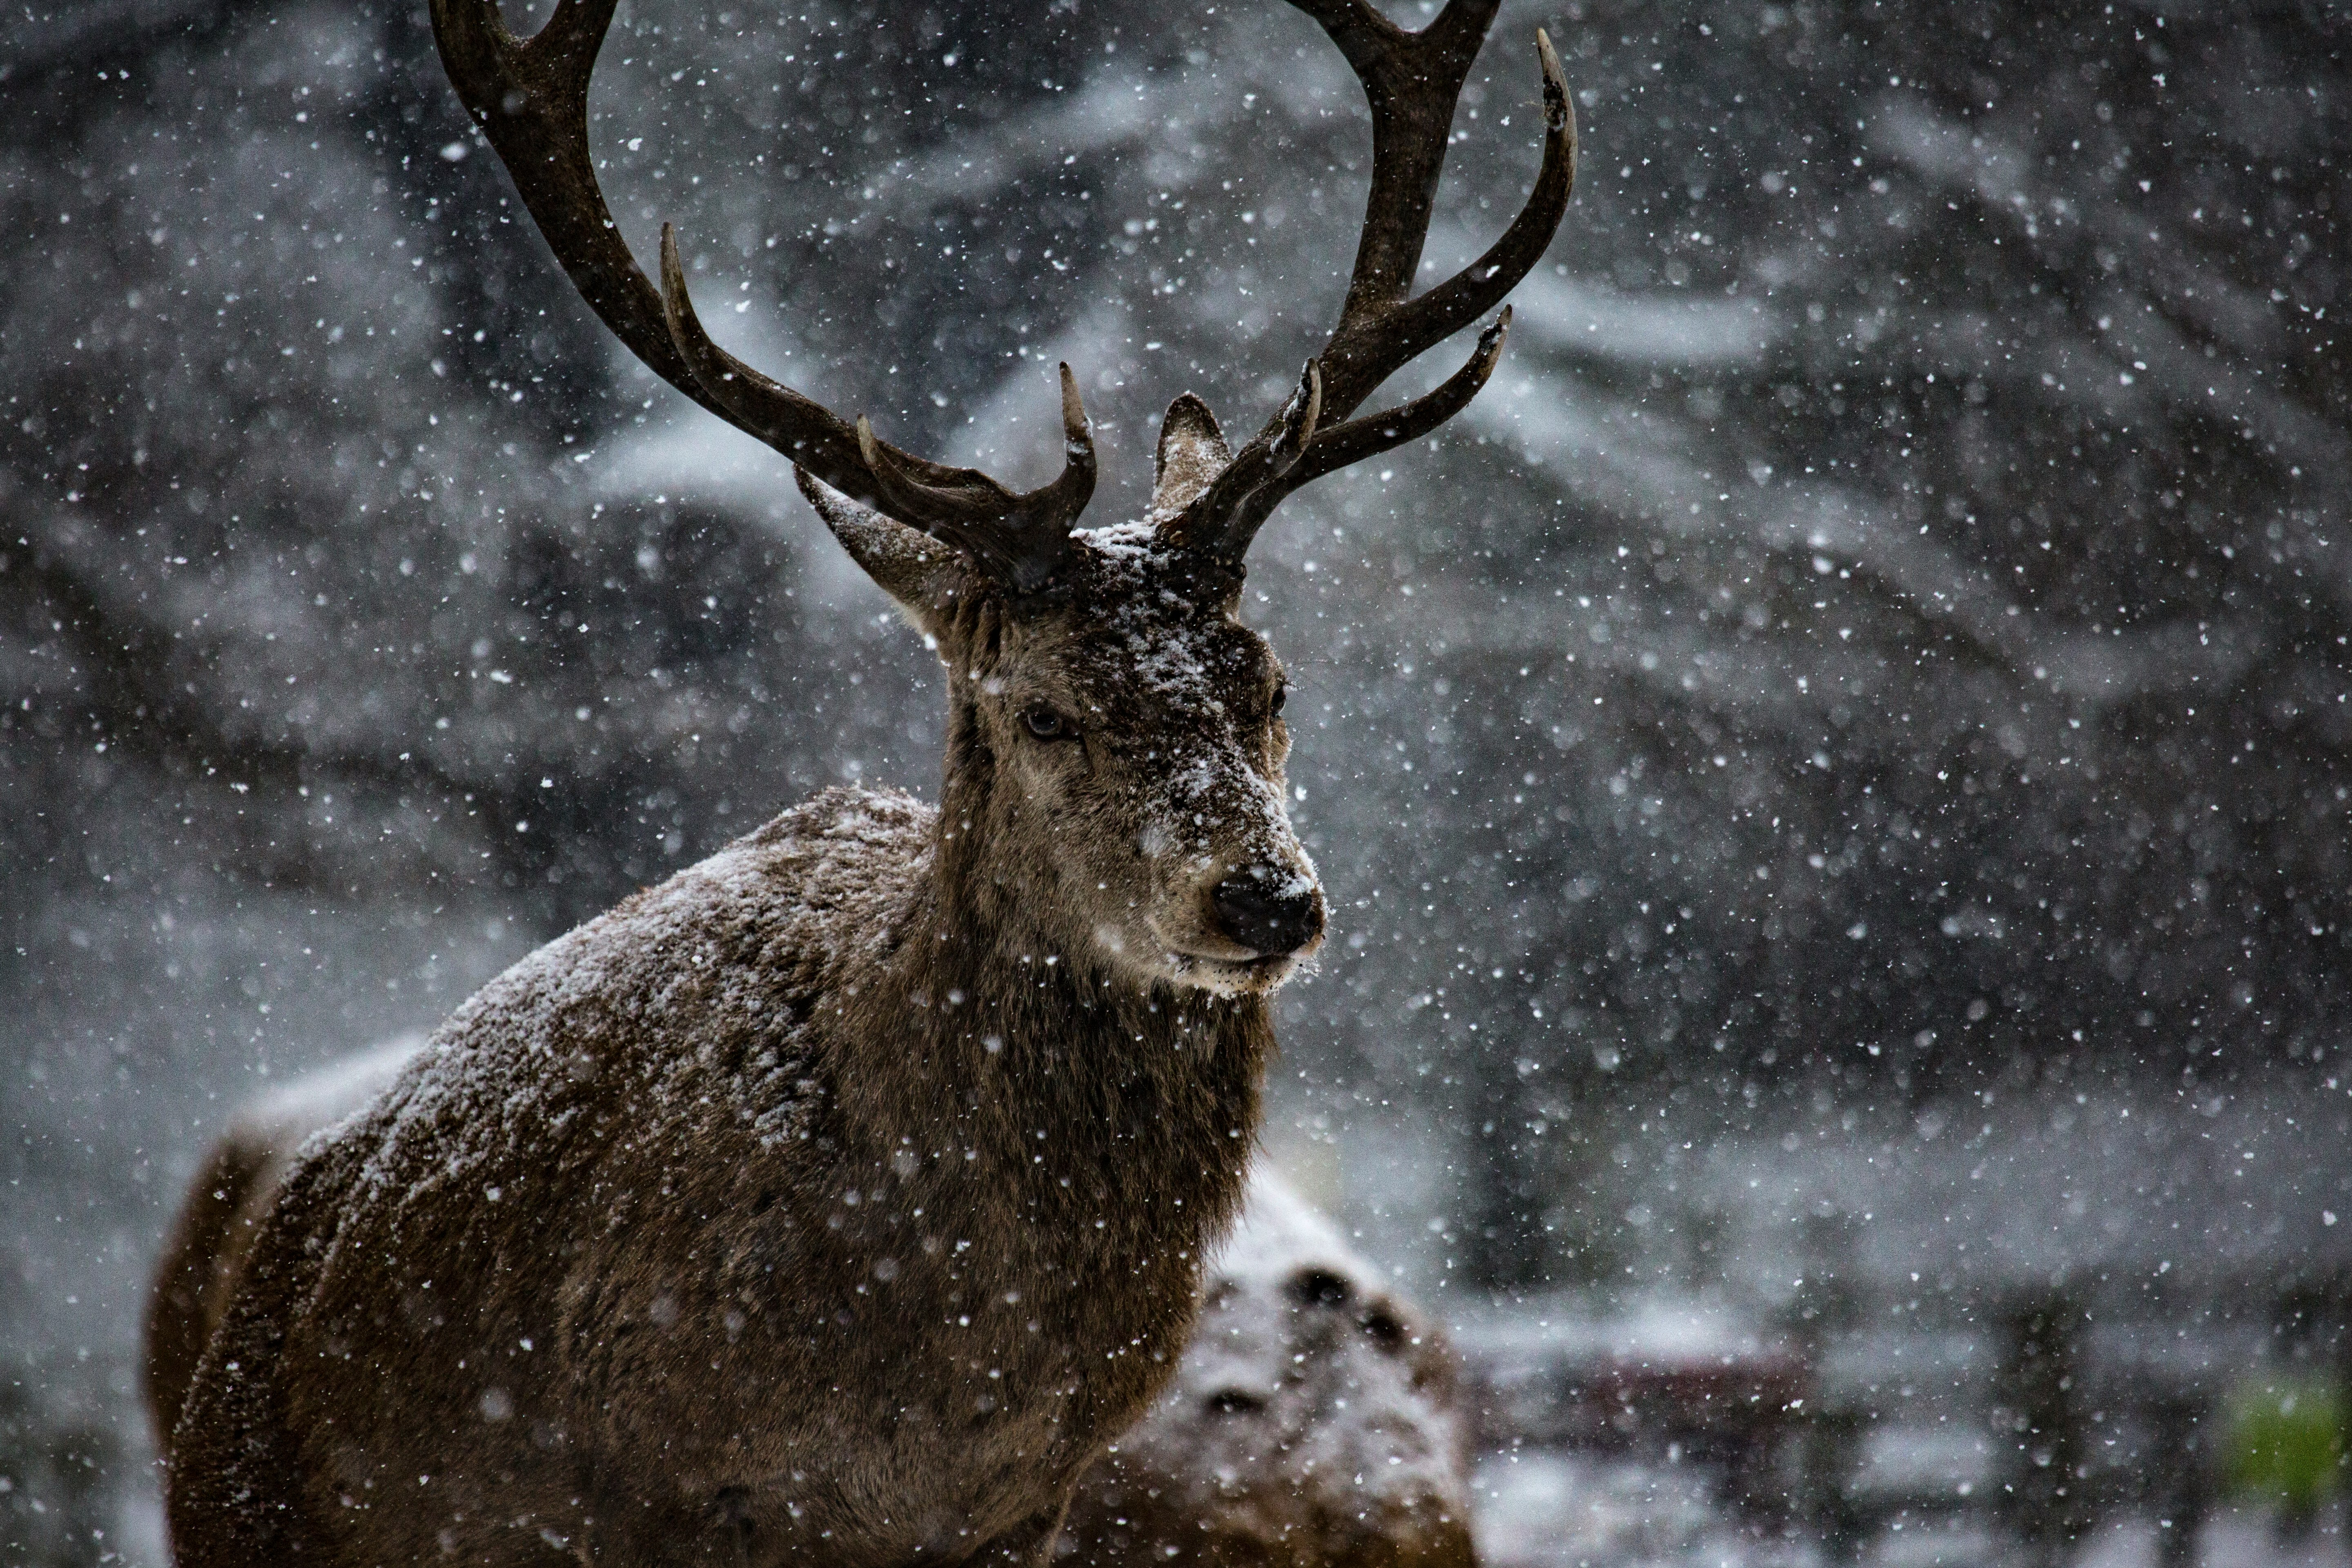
column 1266, row 457
column 1357, row 439
column 1413, row 81
column 1021, row 544
column 796, row 425
column 1020, row 539
column 1067, row 496
column 531, row 99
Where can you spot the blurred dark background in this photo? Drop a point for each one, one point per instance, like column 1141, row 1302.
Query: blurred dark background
column 1872, row 664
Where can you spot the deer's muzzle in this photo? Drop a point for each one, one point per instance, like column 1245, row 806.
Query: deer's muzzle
column 1263, row 909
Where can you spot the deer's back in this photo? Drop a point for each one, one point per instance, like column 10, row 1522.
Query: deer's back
column 226, row 1201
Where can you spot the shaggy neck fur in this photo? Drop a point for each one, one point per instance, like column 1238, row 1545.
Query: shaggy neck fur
column 1148, row 1095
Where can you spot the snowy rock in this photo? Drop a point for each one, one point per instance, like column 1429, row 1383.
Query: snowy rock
column 1313, row 1421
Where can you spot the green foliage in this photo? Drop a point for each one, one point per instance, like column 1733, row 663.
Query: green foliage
column 2286, row 1441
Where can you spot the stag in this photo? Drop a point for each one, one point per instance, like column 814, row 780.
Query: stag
column 841, row 1198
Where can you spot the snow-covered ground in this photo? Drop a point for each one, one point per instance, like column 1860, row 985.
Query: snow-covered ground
column 1545, row 1508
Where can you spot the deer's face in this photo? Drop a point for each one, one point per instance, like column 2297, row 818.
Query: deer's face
column 1138, row 735
column 1116, row 755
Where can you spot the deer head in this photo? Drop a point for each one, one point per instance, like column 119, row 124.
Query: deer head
column 1115, row 762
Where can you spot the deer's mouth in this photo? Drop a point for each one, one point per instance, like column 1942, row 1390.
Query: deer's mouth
column 1249, row 972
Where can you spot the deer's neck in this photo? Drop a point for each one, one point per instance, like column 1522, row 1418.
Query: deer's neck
column 1005, row 1026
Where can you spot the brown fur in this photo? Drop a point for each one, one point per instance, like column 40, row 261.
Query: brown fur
column 231, row 1195
column 204, row 1252
column 1313, row 1423
column 837, row 1200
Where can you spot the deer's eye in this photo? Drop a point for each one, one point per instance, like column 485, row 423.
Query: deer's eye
column 1045, row 724
column 1281, row 696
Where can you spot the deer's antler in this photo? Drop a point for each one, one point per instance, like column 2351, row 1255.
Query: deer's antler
column 1413, row 81
column 531, row 99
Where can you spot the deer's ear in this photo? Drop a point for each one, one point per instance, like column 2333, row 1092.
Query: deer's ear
column 1193, row 451
column 928, row 579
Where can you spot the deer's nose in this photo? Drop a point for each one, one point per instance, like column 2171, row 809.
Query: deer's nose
column 1260, row 908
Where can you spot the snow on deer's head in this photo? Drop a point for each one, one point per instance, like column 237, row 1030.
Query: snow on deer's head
column 1116, row 745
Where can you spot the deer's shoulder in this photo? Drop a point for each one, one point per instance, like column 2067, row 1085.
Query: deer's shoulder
column 843, row 839
column 779, row 911
column 814, row 886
